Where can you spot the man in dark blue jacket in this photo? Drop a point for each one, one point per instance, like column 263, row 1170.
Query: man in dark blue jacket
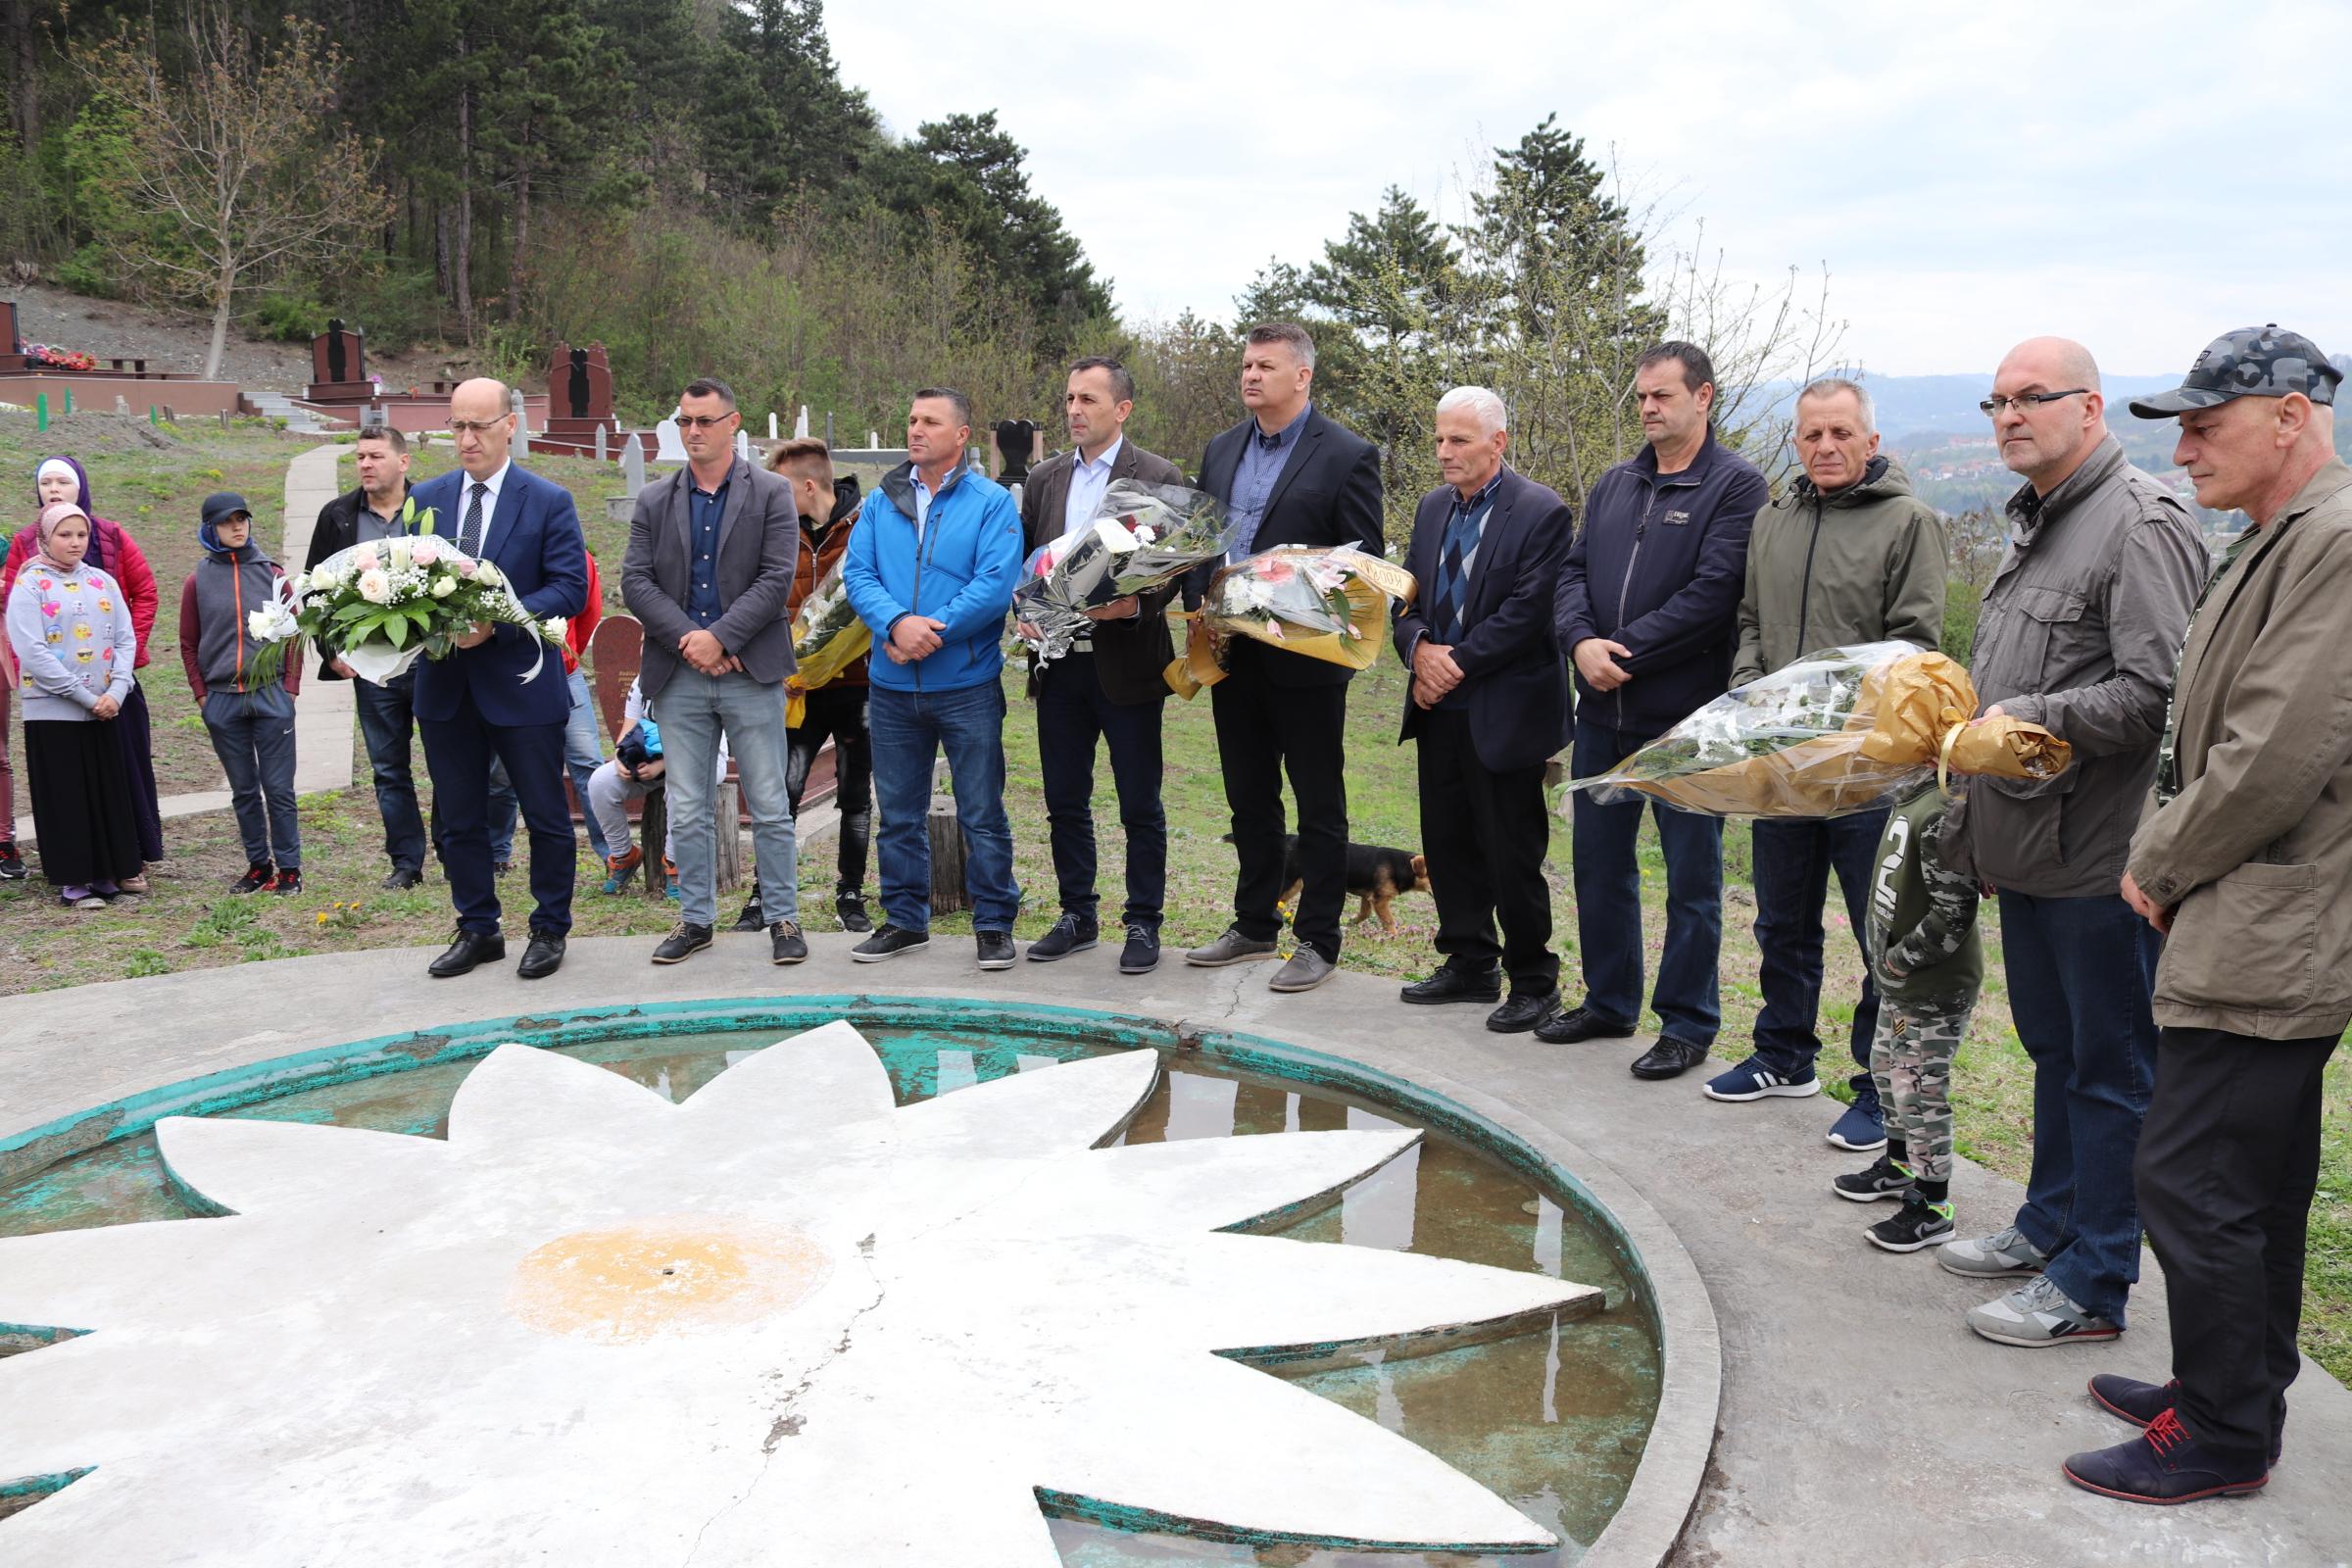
column 1488, row 703
column 1648, row 611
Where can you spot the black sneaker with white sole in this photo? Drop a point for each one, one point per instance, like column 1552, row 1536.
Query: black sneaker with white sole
column 1884, row 1178
column 1917, row 1224
column 996, row 950
column 890, row 942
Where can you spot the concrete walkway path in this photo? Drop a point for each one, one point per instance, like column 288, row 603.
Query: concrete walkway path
column 1861, row 1423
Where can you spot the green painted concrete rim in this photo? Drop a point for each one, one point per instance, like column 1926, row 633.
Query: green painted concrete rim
column 1665, row 1488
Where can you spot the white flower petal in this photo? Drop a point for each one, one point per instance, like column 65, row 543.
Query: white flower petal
column 1195, row 1184
column 245, row 1165
column 521, row 1094
column 51, row 1396
column 119, row 1275
column 923, row 1503
column 1271, row 1457
column 1073, row 1105
column 825, row 1078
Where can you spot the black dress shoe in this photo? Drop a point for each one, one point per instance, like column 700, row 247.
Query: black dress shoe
column 752, row 918
column 403, row 877
column 1668, row 1058
column 1524, row 1010
column 472, row 947
column 1578, row 1025
column 682, row 944
column 1453, row 984
column 543, row 957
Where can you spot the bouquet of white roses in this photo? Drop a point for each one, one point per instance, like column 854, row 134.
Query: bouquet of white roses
column 1143, row 537
column 828, row 638
column 382, row 606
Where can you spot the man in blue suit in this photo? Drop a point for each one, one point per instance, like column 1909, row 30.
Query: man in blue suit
column 500, row 694
column 1490, row 706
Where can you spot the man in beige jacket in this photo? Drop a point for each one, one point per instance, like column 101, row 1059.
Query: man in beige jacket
column 2243, row 859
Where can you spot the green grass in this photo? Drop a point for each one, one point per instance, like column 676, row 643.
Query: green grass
column 191, row 921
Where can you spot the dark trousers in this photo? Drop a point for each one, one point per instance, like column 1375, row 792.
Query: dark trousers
column 253, row 735
column 1608, row 900
column 387, row 715
column 837, row 713
column 1263, row 731
column 1794, row 859
column 2081, row 974
column 458, row 752
column 1485, row 834
column 2227, row 1165
column 1072, row 713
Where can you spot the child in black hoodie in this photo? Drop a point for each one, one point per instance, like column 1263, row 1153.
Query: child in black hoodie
column 251, row 720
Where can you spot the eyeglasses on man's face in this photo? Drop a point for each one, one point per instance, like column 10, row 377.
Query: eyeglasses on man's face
column 2027, row 402
column 477, row 427
column 703, row 421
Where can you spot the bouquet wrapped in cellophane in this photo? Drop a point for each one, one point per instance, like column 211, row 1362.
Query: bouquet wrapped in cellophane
column 1143, row 537
column 380, row 607
column 828, row 638
column 1327, row 603
column 1841, row 730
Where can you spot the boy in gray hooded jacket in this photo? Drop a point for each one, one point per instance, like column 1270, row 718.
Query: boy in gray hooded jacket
column 251, row 720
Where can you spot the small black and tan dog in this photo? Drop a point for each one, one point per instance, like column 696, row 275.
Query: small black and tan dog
column 1375, row 875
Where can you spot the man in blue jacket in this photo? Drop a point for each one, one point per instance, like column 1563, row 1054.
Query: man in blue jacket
column 931, row 570
column 500, row 694
column 1648, row 609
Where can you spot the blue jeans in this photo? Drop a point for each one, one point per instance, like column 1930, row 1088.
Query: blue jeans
column 387, row 719
column 909, row 730
column 253, row 735
column 583, row 755
column 1608, row 900
column 693, row 708
column 2081, row 975
column 1794, row 858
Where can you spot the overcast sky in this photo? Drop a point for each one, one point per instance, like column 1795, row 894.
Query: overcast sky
column 2141, row 176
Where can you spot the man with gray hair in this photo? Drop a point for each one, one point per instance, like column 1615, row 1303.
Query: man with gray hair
column 1489, row 704
column 2079, row 632
column 1847, row 554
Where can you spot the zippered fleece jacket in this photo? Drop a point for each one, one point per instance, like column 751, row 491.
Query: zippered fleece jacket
column 961, row 569
column 1658, row 567
column 1921, row 928
column 1861, row 564
column 215, row 648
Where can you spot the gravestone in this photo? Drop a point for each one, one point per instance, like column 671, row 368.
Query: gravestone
column 771, row 425
column 667, row 447
column 601, row 452
column 522, row 421
column 632, row 469
column 579, row 391
column 800, row 426
column 121, row 403
column 12, row 358
column 1016, row 448
column 339, row 367
column 743, row 443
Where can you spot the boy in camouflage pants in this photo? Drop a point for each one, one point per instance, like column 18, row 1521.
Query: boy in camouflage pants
column 1928, row 964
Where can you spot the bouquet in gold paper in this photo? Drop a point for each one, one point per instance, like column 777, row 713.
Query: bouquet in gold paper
column 1841, row 730
column 1331, row 604
column 828, row 638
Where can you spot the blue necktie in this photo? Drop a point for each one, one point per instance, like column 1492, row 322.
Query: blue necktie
column 470, row 537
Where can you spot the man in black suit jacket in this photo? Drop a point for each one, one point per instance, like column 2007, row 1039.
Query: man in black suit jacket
column 1111, row 685
column 1289, row 476
column 1490, row 706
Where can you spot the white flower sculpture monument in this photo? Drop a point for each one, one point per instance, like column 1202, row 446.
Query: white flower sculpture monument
column 784, row 1322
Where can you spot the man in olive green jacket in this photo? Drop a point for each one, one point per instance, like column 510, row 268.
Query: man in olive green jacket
column 1847, row 554
column 2244, row 858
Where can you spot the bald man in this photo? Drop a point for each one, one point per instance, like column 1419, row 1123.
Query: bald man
column 2079, row 631
column 500, row 694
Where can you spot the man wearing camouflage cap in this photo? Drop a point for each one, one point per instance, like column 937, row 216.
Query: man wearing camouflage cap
column 2244, row 858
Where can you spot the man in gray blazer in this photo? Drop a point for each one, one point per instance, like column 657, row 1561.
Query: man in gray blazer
column 709, row 572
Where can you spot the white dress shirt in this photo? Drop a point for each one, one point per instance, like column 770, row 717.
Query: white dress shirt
column 1088, row 482
column 466, row 483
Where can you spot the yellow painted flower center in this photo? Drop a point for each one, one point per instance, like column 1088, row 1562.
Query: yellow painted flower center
column 674, row 1275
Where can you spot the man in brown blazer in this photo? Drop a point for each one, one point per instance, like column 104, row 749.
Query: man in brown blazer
column 1109, row 686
